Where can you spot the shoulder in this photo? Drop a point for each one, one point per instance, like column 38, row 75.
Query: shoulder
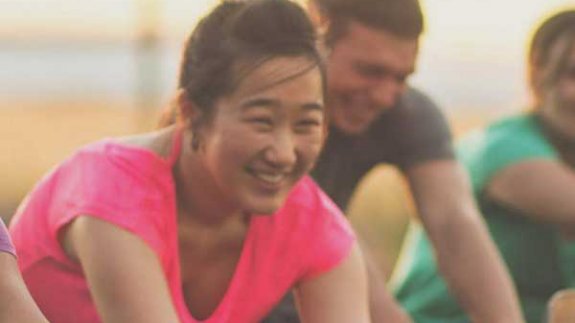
column 415, row 109
column 519, row 133
column 311, row 210
column 416, row 99
column 113, row 156
column 159, row 142
column 415, row 104
column 502, row 144
column 308, row 196
column 322, row 231
column 419, row 130
column 121, row 184
column 106, row 177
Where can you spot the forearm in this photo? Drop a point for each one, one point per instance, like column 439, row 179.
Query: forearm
column 16, row 304
column 474, row 270
column 382, row 305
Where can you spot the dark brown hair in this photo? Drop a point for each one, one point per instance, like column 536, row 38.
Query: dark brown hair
column 234, row 38
column 402, row 18
column 550, row 48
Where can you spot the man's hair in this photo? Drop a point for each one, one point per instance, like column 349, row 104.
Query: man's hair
column 402, row 18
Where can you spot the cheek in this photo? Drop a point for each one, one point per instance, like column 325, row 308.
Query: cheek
column 309, row 149
column 236, row 144
column 566, row 92
column 343, row 77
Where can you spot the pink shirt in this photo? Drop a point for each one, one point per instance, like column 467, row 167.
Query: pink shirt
column 134, row 189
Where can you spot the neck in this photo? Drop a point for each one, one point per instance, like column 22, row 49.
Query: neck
column 198, row 197
column 560, row 124
column 559, row 130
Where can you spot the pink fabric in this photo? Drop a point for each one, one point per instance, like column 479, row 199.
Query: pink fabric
column 133, row 188
column 5, row 243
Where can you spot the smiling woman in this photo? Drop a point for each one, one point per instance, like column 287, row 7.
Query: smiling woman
column 521, row 169
column 214, row 212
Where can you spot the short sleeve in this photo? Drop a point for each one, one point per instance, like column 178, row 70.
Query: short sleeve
column 331, row 238
column 487, row 152
column 96, row 183
column 5, row 242
column 421, row 130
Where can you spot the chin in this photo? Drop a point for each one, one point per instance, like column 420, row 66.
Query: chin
column 265, row 207
column 353, row 129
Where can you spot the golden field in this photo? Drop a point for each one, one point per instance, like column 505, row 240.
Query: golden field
column 37, row 135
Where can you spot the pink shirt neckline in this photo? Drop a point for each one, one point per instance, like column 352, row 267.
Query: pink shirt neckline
column 231, row 288
column 177, row 292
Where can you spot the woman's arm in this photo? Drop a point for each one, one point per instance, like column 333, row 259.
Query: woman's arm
column 337, row 296
column 16, row 304
column 383, row 307
column 125, row 277
column 543, row 189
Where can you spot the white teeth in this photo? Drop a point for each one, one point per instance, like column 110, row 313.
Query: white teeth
column 271, row 178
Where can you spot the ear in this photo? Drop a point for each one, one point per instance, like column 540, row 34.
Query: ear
column 536, row 79
column 188, row 111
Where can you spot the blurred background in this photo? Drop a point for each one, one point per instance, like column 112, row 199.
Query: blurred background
column 74, row 71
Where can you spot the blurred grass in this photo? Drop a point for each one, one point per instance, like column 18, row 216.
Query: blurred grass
column 380, row 211
column 37, row 135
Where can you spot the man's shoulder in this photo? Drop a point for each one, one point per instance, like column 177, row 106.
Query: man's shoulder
column 413, row 109
column 415, row 101
column 416, row 130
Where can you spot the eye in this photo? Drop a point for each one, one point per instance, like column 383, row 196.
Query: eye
column 261, row 120
column 370, row 71
column 308, row 125
column 261, row 123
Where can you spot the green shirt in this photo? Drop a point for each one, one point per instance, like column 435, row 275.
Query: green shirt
column 538, row 260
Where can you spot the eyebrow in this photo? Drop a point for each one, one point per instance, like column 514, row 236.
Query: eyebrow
column 271, row 103
column 380, row 69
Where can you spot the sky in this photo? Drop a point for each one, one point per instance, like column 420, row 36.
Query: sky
column 472, row 54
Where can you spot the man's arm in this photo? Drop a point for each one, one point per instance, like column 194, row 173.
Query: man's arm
column 465, row 253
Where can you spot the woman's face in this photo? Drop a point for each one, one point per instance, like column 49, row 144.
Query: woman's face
column 565, row 90
column 265, row 135
column 558, row 97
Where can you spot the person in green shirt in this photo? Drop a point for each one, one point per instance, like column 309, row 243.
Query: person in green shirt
column 522, row 174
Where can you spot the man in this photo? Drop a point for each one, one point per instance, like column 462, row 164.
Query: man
column 371, row 48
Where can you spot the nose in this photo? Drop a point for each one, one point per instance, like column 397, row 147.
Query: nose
column 281, row 152
column 385, row 92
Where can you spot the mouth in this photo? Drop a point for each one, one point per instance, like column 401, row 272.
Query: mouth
column 269, row 179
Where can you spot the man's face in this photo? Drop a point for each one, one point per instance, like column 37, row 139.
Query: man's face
column 367, row 72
